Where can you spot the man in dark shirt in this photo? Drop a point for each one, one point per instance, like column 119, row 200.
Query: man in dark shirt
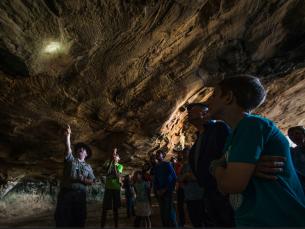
column 211, row 138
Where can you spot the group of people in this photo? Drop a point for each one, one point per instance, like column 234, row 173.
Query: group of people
column 241, row 170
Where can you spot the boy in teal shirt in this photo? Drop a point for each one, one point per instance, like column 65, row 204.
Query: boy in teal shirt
column 256, row 201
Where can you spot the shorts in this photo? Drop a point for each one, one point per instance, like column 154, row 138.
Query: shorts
column 112, row 199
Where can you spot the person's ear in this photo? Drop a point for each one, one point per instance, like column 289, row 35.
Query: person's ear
column 229, row 98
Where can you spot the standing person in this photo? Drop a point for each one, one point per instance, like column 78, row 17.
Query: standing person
column 71, row 208
column 164, row 184
column 193, row 194
column 143, row 201
column 211, row 138
column 153, row 163
column 180, row 191
column 209, row 145
column 129, row 195
column 112, row 195
column 256, row 202
column 146, row 174
column 297, row 135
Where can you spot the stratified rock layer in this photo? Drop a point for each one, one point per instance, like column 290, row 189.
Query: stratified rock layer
column 123, row 68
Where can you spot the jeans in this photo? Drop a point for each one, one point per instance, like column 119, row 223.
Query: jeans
column 130, row 206
column 167, row 210
column 180, row 207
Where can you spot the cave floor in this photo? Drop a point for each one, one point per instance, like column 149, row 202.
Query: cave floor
column 46, row 218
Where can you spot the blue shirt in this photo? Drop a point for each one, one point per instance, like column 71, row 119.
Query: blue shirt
column 164, row 177
column 264, row 202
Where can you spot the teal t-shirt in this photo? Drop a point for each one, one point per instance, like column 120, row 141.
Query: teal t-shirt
column 264, row 202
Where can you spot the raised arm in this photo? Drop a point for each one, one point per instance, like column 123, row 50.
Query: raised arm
column 68, row 141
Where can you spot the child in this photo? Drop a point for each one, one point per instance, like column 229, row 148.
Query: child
column 129, row 195
column 143, row 201
column 257, row 202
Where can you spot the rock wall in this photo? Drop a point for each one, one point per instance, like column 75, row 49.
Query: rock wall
column 118, row 71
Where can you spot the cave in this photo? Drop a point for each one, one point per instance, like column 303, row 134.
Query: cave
column 120, row 73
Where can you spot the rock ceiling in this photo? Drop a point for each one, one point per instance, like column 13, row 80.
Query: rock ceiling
column 117, row 71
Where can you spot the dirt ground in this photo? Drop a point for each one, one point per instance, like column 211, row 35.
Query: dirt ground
column 46, row 218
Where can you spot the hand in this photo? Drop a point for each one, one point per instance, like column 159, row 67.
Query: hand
column 268, row 166
column 68, row 131
column 85, row 181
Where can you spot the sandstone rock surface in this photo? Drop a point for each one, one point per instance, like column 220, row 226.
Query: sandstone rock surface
column 118, row 71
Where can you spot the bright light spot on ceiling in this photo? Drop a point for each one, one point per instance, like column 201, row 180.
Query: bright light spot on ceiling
column 53, row 47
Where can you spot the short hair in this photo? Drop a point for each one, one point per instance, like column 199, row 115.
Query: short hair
column 160, row 152
column 85, row 146
column 201, row 105
column 248, row 90
column 301, row 128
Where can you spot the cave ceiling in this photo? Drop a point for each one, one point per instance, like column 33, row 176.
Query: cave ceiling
column 118, row 71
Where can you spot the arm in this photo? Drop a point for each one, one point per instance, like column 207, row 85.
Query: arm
column 87, row 181
column 235, row 177
column 268, row 166
column 116, row 172
column 68, row 141
column 90, row 179
column 114, row 154
column 243, row 151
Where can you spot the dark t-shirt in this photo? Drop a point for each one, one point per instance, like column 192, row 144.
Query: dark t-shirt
column 208, row 147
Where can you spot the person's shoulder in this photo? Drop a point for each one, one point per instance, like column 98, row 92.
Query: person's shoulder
column 69, row 157
column 219, row 125
column 256, row 120
column 258, row 123
column 167, row 163
column 164, row 164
